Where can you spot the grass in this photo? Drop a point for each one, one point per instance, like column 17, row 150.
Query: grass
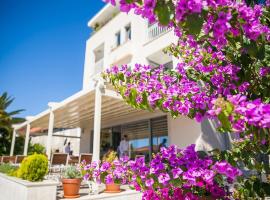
column 8, row 169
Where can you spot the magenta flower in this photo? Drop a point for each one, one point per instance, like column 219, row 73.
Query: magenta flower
column 149, row 182
column 163, row 178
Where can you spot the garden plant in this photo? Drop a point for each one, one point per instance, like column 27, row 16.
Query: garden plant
column 33, row 168
column 112, row 173
column 71, row 181
column 222, row 74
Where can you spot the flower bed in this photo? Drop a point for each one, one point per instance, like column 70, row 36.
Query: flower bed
column 32, row 170
column 13, row 188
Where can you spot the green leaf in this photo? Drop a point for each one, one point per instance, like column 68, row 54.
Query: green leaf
column 194, row 24
column 163, row 12
column 252, row 48
column 223, row 117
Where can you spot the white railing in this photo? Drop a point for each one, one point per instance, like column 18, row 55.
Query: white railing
column 155, row 30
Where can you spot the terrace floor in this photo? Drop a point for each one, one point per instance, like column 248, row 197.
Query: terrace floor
column 126, row 194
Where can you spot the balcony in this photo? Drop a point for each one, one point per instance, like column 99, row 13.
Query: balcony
column 155, row 31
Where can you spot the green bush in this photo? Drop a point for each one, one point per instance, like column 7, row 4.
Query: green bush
column 8, row 169
column 71, row 172
column 33, row 168
column 36, row 148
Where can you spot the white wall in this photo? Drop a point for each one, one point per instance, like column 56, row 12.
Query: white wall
column 58, row 142
column 85, row 140
column 183, row 131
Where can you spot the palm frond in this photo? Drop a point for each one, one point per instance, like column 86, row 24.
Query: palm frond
column 15, row 112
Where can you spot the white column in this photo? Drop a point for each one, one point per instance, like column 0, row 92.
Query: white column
column 13, row 142
column 26, row 142
column 97, row 124
column 50, row 133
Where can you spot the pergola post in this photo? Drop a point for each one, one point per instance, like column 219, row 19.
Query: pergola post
column 26, row 142
column 97, row 123
column 13, row 142
column 50, row 133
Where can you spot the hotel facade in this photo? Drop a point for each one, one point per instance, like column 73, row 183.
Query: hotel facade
column 100, row 114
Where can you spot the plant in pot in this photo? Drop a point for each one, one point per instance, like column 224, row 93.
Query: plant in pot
column 112, row 174
column 71, row 181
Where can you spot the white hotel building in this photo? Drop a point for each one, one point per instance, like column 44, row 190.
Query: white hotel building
column 100, row 114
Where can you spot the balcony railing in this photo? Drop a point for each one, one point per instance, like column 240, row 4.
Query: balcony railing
column 155, row 30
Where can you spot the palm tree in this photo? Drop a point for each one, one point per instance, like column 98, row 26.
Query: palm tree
column 7, row 119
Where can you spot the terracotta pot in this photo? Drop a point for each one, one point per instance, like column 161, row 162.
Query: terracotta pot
column 112, row 188
column 71, row 187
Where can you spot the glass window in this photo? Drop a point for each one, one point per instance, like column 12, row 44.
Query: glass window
column 138, row 136
column 128, row 32
column 159, row 133
column 118, row 39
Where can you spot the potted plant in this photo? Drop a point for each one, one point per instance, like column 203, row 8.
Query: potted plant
column 112, row 174
column 71, row 182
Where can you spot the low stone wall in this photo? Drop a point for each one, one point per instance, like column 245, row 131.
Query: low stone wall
column 12, row 188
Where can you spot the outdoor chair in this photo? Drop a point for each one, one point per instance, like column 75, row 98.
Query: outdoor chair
column 19, row 159
column 57, row 165
column 73, row 160
column 86, row 157
column 8, row 159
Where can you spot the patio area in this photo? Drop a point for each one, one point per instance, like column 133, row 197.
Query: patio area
column 126, row 194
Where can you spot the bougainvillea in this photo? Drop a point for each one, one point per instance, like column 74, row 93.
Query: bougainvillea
column 175, row 173
column 222, row 70
column 106, row 172
column 226, row 54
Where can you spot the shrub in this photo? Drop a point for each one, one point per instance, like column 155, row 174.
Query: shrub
column 8, row 169
column 36, row 148
column 71, row 172
column 33, row 168
column 109, row 157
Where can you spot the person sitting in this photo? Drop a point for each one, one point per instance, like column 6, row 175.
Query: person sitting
column 68, row 149
column 162, row 144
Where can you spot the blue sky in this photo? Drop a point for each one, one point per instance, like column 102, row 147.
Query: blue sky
column 42, row 47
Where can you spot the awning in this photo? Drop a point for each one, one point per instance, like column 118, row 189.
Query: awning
column 78, row 111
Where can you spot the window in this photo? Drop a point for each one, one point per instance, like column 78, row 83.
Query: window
column 128, row 32
column 117, row 39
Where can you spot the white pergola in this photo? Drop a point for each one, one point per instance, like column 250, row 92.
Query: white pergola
column 93, row 106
